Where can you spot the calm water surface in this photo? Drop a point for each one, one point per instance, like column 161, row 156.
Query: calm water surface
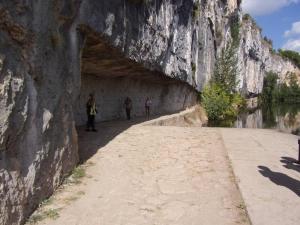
column 283, row 117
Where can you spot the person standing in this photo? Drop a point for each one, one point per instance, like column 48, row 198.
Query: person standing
column 148, row 104
column 91, row 111
column 128, row 107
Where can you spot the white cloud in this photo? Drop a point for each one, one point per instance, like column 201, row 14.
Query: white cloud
column 263, row 7
column 295, row 30
column 292, row 44
column 293, row 35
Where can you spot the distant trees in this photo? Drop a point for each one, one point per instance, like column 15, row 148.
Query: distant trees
column 284, row 92
column 291, row 55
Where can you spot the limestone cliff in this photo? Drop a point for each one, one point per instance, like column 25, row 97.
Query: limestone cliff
column 256, row 58
column 50, row 49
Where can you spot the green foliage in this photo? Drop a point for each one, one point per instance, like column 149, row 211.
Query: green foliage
column 268, row 40
column 226, row 69
column 220, row 104
column 291, row 55
column 196, row 10
column 247, row 17
column 194, row 68
column 50, row 214
column 285, row 92
column 270, row 87
column 76, row 175
column 216, row 101
column 235, row 30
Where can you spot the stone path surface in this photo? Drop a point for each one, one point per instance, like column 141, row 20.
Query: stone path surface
column 166, row 175
column 154, row 176
column 263, row 162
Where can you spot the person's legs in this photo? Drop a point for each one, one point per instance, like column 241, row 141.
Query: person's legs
column 93, row 123
column 89, row 123
column 148, row 112
column 128, row 114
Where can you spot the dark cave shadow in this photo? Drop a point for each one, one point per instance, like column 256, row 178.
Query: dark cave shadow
column 89, row 143
column 281, row 179
column 290, row 163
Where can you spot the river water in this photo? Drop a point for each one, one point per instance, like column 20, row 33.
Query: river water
column 282, row 117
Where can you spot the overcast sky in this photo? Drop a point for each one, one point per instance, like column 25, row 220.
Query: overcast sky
column 279, row 19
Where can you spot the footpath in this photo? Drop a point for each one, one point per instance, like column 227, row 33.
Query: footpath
column 166, row 175
column 268, row 177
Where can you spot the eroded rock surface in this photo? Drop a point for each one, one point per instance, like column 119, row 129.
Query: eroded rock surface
column 41, row 43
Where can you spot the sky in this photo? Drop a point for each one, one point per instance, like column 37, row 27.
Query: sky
column 279, row 19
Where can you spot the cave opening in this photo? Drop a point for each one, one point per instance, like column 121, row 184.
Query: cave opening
column 111, row 77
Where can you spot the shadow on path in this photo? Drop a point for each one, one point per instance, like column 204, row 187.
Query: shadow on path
column 281, row 179
column 290, row 163
column 90, row 142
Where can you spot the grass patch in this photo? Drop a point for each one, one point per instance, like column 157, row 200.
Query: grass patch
column 52, row 214
column 77, row 174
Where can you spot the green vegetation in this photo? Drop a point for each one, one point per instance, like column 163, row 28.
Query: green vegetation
column 283, row 92
column 235, row 30
column 196, row 10
column 226, row 70
column 76, row 175
column 50, row 214
column 247, row 17
column 193, row 65
column 268, row 40
column 220, row 98
column 220, row 104
column 291, row 55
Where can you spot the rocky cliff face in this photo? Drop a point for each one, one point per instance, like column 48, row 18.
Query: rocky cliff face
column 144, row 42
column 256, row 58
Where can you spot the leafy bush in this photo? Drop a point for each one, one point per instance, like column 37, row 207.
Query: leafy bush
column 219, row 104
column 215, row 101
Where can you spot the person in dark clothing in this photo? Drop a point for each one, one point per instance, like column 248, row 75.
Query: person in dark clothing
column 148, row 104
column 128, row 107
column 91, row 111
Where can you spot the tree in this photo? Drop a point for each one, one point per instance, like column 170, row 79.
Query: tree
column 270, row 87
column 226, row 69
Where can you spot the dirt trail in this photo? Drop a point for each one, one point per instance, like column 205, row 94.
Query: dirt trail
column 151, row 175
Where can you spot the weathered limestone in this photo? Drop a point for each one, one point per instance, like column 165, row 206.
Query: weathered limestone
column 111, row 93
column 255, row 58
column 41, row 44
